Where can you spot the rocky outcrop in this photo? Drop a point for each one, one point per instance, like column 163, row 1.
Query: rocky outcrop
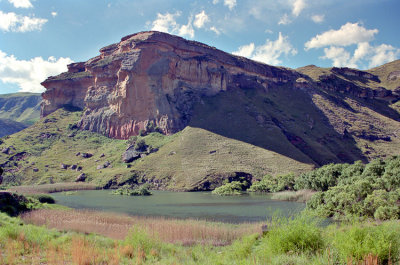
column 152, row 77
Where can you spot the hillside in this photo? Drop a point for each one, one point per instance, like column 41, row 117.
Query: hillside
column 8, row 127
column 221, row 117
column 20, row 107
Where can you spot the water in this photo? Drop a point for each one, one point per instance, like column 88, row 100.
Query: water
column 195, row 205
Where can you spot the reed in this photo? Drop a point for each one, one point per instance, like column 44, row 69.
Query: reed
column 50, row 188
column 117, row 226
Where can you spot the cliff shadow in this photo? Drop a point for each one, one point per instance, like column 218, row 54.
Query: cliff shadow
column 283, row 120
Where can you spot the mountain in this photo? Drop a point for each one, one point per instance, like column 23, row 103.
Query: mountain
column 221, row 116
column 18, row 111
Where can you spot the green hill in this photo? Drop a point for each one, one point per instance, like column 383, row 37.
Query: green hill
column 20, row 107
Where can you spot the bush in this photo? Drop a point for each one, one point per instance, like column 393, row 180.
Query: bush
column 232, row 188
column 130, row 191
column 274, row 184
column 43, row 198
column 294, row 236
column 140, row 145
column 359, row 241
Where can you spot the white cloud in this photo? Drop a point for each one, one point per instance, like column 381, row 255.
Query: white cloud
column 347, row 35
column 200, row 19
column 270, row 52
column 187, row 30
column 230, row 4
column 17, row 23
column 364, row 54
column 28, row 74
column 167, row 23
column 21, row 3
column 318, row 18
column 54, row 14
column 298, row 6
column 245, row 50
column 284, row 20
column 382, row 54
column 338, row 55
column 215, row 30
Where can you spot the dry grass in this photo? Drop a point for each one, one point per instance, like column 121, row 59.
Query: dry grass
column 50, row 188
column 117, row 226
column 295, row 196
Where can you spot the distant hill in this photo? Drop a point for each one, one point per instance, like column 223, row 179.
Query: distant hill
column 8, row 127
column 18, row 111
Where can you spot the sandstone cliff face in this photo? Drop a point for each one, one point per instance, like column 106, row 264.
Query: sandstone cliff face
column 152, row 77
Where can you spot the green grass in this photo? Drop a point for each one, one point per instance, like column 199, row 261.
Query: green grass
column 288, row 241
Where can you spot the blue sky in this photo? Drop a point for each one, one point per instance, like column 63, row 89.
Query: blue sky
column 39, row 38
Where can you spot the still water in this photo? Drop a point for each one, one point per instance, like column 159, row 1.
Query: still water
column 195, row 205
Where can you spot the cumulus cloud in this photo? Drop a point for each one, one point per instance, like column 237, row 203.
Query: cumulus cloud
column 54, row 14
column 167, row 23
column 229, row 3
column 187, row 30
column 270, row 52
column 200, row 19
column 245, row 50
column 348, row 34
column 318, row 18
column 28, row 74
column 17, row 23
column 364, row 55
column 298, row 6
column 284, row 20
column 21, row 3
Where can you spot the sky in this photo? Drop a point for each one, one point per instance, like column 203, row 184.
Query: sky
column 39, row 38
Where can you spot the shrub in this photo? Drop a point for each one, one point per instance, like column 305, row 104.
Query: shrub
column 358, row 241
column 43, row 198
column 140, row 145
column 130, row 191
column 274, row 184
column 295, row 236
column 232, row 188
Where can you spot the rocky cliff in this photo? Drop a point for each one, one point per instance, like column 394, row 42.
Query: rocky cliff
column 308, row 116
column 153, row 77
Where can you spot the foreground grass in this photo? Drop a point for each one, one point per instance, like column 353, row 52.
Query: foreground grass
column 288, row 241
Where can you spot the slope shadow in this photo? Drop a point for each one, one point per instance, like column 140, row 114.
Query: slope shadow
column 283, row 120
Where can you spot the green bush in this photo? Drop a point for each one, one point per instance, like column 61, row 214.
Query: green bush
column 140, row 145
column 142, row 190
column 274, row 184
column 232, row 188
column 43, row 198
column 370, row 191
column 357, row 241
column 293, row 236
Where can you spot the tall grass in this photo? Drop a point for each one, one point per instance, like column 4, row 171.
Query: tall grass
column 296, row 196
column 117, row 226
column 50, row 188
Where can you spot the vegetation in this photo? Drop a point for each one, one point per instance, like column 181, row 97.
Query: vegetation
column 355, row 190
column 288, row 241
column 274, row 184
column 231, row 188
column 128, row 190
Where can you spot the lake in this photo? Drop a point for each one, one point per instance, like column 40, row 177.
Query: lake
column 195, row 205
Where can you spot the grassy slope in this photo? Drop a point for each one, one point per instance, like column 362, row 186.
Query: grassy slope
column 384, row 71
column 20, row 107
column 185, row 155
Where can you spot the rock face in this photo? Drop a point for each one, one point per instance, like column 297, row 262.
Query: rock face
column 152, row 77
